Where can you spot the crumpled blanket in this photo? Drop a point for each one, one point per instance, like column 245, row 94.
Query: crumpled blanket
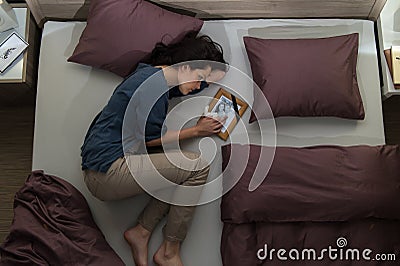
column 53, row 225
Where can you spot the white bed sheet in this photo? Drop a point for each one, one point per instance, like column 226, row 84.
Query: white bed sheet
column 70, row 95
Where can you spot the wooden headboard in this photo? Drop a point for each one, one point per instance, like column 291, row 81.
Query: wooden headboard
column 44, row 10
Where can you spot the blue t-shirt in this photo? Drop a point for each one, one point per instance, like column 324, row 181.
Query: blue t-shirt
column 103, row 141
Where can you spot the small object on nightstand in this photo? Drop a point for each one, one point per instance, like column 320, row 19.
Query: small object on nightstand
column 18, row 82
column 10, row 49
column 396, row 64
column 8, row 19
column 388, row 56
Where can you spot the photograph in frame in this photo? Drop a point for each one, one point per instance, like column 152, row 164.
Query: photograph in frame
column 223, row 106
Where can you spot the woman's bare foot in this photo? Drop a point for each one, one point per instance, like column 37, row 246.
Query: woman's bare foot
column 168, row 254
column 138, row 238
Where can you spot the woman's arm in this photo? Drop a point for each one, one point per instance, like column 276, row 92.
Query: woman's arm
column 206, row 126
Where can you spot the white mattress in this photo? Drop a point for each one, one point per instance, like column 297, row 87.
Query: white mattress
column 70, row 95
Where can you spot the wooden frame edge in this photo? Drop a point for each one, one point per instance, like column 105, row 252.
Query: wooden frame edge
column 376, row 10
column 35, row 8
column 244, row 105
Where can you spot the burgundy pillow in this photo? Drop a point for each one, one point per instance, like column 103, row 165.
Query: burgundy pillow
column 120, row 33
column 306, row 77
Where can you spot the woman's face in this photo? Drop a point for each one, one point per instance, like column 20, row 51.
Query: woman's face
column 190, row 79
column 221, row 107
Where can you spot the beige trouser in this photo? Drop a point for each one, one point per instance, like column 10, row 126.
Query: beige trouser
column 118, row 183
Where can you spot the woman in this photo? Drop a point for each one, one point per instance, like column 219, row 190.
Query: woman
column 105, row 167
column 221, row 109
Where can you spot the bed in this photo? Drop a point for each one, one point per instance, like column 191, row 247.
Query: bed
column 70, row 95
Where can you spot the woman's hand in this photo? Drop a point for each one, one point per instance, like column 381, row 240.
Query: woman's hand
column 207, row 126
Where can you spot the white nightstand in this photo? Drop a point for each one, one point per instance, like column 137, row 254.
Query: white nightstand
column 19, row 80
column 388, row 25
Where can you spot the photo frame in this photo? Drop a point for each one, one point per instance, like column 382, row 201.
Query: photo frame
column 223, row 105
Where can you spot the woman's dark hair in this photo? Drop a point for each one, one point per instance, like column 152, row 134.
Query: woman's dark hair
column 192, row 47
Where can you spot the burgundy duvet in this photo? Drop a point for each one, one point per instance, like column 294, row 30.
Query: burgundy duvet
column 342, row 199
column 53, row 225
